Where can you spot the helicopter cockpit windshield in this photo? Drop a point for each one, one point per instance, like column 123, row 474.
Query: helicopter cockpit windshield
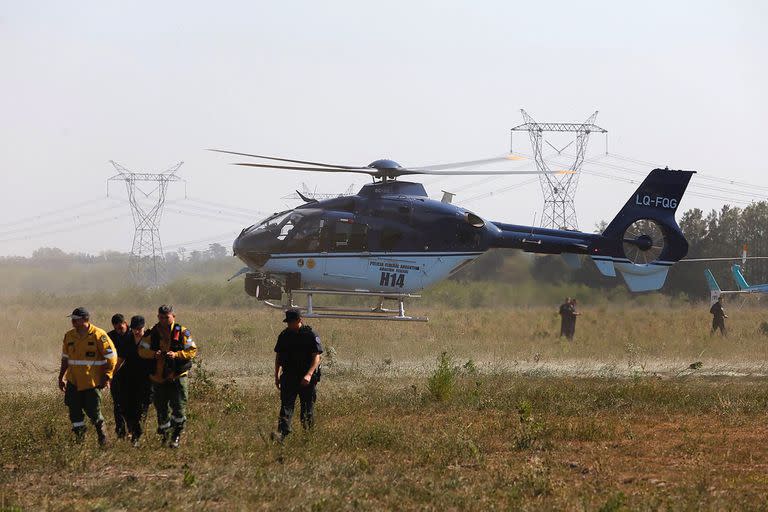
column 288, row 231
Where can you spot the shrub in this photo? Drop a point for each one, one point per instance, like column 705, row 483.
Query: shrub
column 443, row 379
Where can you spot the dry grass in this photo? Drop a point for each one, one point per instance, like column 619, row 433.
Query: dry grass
column 531, row 422
column 610, row 341
column 498, row 443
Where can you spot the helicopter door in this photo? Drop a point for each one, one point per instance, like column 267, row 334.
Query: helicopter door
column 346, row 263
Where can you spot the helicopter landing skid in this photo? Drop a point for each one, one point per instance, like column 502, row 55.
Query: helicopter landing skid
column 378, row 312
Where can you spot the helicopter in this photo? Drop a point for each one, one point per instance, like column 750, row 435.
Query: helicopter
column 390, row 240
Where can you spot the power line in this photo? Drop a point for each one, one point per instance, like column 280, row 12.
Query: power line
column 39, row 216
column 247, row 211
column 38, row 234
column 499, row 191
column 212, row 238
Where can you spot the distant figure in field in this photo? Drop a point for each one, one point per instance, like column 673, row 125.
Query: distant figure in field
column 297, row 372
column 572, row 313
column 565, row 316
column 718, row 316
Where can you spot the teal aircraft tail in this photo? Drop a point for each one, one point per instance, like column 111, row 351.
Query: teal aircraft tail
column 714, row 288
column 741, row 283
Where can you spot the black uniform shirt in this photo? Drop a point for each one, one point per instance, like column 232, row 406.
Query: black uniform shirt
column 134, row 368
column 295, row 351
column 717, row 310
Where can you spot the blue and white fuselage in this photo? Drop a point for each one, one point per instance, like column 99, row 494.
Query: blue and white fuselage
column 391, row 238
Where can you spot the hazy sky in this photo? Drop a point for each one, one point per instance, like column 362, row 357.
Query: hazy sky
column 151, row 83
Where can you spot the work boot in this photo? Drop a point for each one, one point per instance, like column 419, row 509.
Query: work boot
column 277, row 437
column 79, row 434
column 163, row 432
column 101, row 434
column 176, row 437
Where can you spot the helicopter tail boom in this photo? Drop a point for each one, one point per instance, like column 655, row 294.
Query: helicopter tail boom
column 641, row 242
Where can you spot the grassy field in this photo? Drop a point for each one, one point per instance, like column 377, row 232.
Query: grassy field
column 644, row 411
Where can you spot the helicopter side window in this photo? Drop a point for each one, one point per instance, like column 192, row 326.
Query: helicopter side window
column 286, row 226
column 349, row 237
column 306, row 236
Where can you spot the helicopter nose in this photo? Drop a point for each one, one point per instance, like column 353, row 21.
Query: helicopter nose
column 251, row 248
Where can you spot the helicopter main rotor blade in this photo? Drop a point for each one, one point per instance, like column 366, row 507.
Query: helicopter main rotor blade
column 319, row 164
column 359, row 170
column 408, row 171
column 454, row 165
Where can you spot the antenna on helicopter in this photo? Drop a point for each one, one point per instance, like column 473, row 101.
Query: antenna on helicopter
column 447, row 197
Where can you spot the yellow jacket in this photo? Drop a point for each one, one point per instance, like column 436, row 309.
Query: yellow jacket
column 179, row 341
column 89, row 357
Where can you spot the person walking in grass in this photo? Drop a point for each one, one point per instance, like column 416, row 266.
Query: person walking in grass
column 297, row 372
column 88, row 359
column 718, row 316
column 119, row 329
column 565, row 318
column 170, row 344
column 572, row 313
column 132, row 376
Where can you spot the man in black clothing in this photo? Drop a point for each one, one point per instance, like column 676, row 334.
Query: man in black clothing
column 119, row 329
column 565, row 317
column 573, row 313
column 718, row 316
column 132, row 376
column 297, row 372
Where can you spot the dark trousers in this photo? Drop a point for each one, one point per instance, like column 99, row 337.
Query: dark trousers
column 170, row 400
column 135, row 397
column 718, row 323
column 289, row 390
column 88, row 401
column 567, row 327
column 116, row 390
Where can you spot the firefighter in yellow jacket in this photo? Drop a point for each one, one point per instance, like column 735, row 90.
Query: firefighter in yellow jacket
column 170, row 344
column 88, row 359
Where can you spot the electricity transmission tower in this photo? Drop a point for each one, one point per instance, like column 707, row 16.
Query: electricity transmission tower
column 147, row 260
column 313, row 194
column 559, row 189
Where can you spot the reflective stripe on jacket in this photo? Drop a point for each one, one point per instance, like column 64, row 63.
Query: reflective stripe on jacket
column 89, row 357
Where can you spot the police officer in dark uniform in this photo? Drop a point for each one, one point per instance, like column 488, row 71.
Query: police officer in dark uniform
column 573, row 312
column 132, row 376
column 119, row 329
column 718, row 316
column 565, row 316
column 297, row 372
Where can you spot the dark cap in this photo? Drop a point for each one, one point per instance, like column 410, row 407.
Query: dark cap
column 137, row 322
column 292, row 315
column 165, row 309
column 118, row 319
column 80, row 314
